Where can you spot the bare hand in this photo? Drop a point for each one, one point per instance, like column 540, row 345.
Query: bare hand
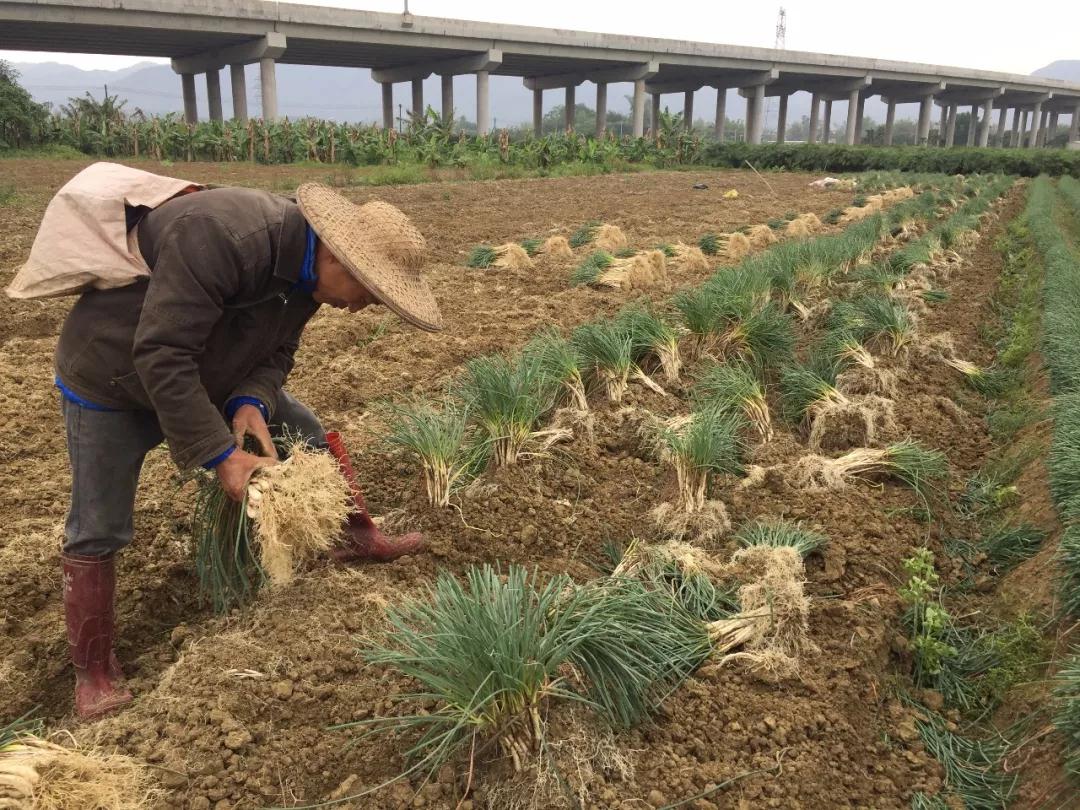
column 248, row 421
column 236, row 470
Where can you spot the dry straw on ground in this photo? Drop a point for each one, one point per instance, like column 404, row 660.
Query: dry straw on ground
column 299, row 508
column 610, row 238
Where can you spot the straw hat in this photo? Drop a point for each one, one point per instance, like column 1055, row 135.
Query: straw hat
column 379, row 246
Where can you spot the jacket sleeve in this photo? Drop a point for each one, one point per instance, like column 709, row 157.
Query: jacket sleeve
column 199, row 266
column 265, row 381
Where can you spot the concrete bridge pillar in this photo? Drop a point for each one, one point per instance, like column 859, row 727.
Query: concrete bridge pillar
column 815, row 105
column 639, row 108
column 1044, row 127
column 1011, row 138
column 601, row 109
column 999, row 137
column 191, row 109
column 721, row 113
column 387, row 105
column 570, row 106
column 239, row 92
column 890, row 121
column 654, row 121
column 1034, row 121
column 483, row 102
column 943, row 125
column 859, row 111
column 688, row 110
column 1053, row 127
column 1074, row 125
column 852, row 117
column 950, row 126
column 984, row 125
column 781, row 120
column 925, row 107
column 756, row 116
column 213, row 95
column 1021, row 136
column 416, row 110
column 447, row 81
column 268, row 88
column 538, row 113
column 826, row 130
column 972, row 124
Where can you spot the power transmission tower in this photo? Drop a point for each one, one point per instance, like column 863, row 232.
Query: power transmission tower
column 779, row 44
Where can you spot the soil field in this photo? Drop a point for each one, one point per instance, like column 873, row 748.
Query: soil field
column 233, row 712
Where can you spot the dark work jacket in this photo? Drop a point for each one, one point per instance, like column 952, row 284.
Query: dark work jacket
column 218, row 318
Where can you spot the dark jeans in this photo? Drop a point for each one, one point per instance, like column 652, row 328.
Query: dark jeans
column 106, row 450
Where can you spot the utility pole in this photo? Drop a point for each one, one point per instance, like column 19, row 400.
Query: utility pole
column 400, row 120
column 779, row 43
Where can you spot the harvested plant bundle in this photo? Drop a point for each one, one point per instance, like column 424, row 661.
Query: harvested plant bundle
column 588, row 272
column 607, row 351
column 780, row 534
column 642, row 271
column 796, row 229
column 761, row 236
column 705, row 442
column 556, row 246
column 652, row 335
column 291, row 512
column 298, row 508
column 560, row 360
column 531, row 246
column 510, row 256
column 684, row 572
column 806, row 392
column 762, row 338
column 688, row 257
column 874, row 318
column 585, row 234
column 507, row 398
column 908, row 461
column 440, row 438
column 733, row 246
column 610, row 238
column 491, row 655
column 38, row 774
column 772, row 622
column 734, row 387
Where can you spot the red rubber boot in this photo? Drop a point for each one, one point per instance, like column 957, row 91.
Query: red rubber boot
column 89, row 593
column 361, row 539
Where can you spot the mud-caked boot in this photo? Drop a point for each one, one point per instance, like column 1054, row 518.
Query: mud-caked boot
column 361, row 538
column 89, row 598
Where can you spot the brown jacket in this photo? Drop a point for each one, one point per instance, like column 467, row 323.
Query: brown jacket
column 218, row 318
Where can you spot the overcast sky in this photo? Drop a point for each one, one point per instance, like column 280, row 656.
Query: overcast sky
column 1027, row 35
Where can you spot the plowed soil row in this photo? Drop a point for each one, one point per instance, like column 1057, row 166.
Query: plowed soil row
column 232, row 712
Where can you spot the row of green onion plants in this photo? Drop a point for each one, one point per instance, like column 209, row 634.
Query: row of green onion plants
column 1046, row 212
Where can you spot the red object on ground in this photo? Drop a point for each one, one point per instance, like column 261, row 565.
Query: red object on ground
column 89, row 598
column 361, row 538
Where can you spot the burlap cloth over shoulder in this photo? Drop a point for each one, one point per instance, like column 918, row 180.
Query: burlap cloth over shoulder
column 83, row 241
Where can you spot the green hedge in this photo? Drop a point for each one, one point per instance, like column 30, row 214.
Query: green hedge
column 836, row 158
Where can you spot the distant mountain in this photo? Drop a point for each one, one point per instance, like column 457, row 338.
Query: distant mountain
column 349, row 94
column 1065, row 69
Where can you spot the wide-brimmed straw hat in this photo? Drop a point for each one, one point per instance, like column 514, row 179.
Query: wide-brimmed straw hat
column 379, row 246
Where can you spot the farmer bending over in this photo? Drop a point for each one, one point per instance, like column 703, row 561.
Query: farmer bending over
column 198, row 354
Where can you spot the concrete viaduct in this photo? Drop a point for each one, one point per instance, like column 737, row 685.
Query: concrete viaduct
column 205, row 36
